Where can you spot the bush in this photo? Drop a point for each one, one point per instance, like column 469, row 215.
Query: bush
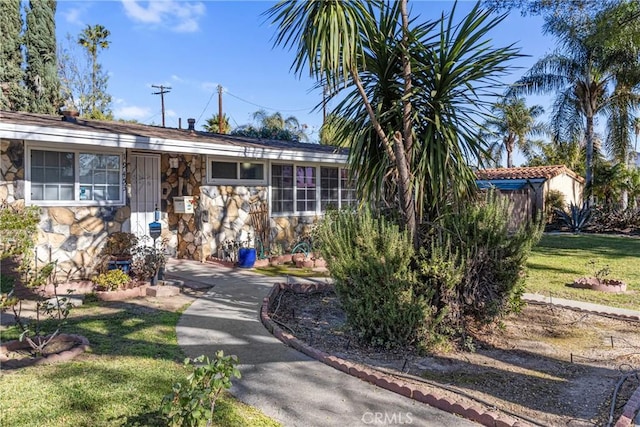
column 371, row 262
column 476, row 246
column 553, row 201
column 608, row 219
column 112, row 280
column 194, row 401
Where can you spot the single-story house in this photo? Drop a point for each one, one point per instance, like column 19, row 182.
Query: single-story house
column 91, row 178
column 528, row 187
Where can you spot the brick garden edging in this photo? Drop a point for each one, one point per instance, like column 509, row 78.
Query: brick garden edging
column 373, row 376
column 64, row 356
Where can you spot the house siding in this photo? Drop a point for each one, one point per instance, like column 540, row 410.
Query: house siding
column 71, row 236
column 569, row 187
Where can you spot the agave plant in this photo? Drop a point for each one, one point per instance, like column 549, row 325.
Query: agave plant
column 577, row 218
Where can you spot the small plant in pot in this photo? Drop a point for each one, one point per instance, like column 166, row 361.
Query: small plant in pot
column 275, row 254
column 111, row 280
column 118, row 251
column 599, row 281
column 149, row 262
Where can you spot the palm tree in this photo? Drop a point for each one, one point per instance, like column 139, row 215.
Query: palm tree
column 580, row 88
column 212, row 124
column 93, row 39
column 409, row 110
column 512, row 125
column 593, row 73
column 276, row 122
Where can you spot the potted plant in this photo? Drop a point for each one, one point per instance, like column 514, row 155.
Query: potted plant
column 275, row 254
column 599, row 280
column 117, row 252
column 246, row 253
column 149, row 262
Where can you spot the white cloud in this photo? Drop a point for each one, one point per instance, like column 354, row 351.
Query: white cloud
column 72, row 16
column 178, row 16
column 176, row 78
column 132, row 112
column 209, row 86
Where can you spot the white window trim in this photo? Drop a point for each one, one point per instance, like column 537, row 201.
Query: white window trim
column 296, row 213
column 76, row 186
column 238, row 181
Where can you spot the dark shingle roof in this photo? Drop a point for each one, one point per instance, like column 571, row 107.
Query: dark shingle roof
column 114, row 127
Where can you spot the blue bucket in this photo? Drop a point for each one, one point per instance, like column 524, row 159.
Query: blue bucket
column 246, row 257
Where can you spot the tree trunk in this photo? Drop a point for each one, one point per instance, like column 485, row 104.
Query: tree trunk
column 589, row 160
column 404, row 150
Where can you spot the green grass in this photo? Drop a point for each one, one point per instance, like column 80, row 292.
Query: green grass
column 133, row 362
column 560, row 258
column 289, row 270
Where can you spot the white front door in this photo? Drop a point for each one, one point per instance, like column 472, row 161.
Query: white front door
column 145, row 192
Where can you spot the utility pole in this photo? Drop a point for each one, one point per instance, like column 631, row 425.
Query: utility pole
column 220, row 119
column 163, row 90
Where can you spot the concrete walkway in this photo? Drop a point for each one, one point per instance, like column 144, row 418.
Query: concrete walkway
column 280, row 381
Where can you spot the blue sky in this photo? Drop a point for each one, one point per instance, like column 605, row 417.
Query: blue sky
column 195, row 46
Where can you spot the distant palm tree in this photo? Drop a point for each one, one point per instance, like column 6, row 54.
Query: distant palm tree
column 588, row 80
column 212, row 124
column 512, row 125
column 277, row 122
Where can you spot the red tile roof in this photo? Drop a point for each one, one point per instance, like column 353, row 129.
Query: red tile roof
column 534, row 172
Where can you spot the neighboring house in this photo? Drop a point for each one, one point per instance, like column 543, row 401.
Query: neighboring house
column 528, row 187
column 92, row 178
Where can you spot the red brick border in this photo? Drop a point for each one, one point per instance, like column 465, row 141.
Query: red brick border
column 373, row 376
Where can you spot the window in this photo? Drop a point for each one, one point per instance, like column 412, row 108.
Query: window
column 329, row 188
column 57, row 176
column 235, row 172
column 316, row 189
column 282, row 188
column 99, row 176
column 347, row 190
column 305, row 188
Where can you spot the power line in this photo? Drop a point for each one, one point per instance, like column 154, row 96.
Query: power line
column 267, row 108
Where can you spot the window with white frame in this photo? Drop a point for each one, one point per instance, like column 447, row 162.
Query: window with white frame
column 75, row 176
column 236, row 172
column 316, row 188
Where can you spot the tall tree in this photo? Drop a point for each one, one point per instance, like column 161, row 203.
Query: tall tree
column 512, row 125
column 572, row 73
column 411, row 100
column 11, row 73
column 92, row 39
column 274, row 126
column 41, row 77
column 213, row 124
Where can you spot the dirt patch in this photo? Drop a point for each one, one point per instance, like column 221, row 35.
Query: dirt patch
column 547, row 365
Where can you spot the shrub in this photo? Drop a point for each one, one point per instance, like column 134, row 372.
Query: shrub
column 194, row 401
column 475, row 243
column 371, row 262
column 608, row 219
column 112, row 280
column 553, row 201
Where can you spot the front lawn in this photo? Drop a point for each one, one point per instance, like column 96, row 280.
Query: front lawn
column 133, row 362
column 560, row 258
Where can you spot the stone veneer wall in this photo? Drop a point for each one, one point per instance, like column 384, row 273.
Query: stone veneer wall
column 184, row 231
column 72, row 236
column 222, row 211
